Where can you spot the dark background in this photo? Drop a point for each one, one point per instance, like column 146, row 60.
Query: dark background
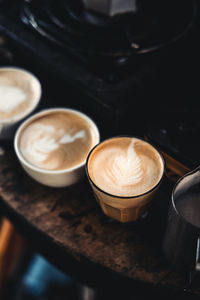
column 160, row 94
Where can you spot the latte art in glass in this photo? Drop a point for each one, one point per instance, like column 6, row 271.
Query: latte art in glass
column 57, row 141
column 125, row 166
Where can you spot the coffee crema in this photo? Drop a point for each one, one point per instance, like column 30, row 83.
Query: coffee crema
column 19, row 92
column 125, row 167
column 57, row 140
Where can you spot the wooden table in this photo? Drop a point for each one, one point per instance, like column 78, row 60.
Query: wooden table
column 68, row 228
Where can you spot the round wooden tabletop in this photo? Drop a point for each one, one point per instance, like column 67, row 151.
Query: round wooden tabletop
column 68, row 227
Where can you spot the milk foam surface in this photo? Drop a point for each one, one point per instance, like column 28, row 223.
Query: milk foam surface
column 57, row 141
column 19, row 92
column 125, row 166
column 10, row 98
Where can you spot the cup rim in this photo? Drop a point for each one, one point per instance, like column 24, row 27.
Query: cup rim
column 32, row 108
column 126, row 197
column 44, row 112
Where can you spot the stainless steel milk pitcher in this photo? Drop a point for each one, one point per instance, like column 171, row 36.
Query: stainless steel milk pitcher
column 181, row 243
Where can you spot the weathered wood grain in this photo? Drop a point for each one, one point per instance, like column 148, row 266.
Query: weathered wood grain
column 73, row 221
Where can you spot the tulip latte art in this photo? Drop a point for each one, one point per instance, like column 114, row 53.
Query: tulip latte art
column 56, row 141
column 125, row 166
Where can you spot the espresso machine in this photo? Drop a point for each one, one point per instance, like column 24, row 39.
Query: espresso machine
column 129, row 64
column 111, row 34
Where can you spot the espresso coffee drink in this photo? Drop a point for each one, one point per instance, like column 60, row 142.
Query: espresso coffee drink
column 125, row 167
column 57, row 140
column 19, row 92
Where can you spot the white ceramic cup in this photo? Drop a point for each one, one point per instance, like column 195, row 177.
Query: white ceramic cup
column 54, row 178
column 21, row 80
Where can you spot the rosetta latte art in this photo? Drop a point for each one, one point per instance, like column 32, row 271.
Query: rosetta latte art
column 125, row 166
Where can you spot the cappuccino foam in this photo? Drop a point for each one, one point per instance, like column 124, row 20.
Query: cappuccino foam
column 125, row 166
column 57, row 140
column 19, row 91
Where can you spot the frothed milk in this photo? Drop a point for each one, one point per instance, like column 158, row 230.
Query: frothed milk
column 125, row 166
column 57, row 140
column 19, row 91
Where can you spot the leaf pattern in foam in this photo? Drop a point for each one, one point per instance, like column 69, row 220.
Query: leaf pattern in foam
column 124, row 167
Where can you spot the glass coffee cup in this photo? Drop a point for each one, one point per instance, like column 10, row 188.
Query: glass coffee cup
column 125, row 173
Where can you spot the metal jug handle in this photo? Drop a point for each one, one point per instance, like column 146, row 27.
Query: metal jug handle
column 197, row 268
column 197, row 263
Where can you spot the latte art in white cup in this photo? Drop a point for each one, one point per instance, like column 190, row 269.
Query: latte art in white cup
column 57, row 141
column 53, row 145
column 10, row 98
column 20, row 93
column 124, row 173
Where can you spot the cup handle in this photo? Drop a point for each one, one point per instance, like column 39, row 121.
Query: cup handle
column 198, row 256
